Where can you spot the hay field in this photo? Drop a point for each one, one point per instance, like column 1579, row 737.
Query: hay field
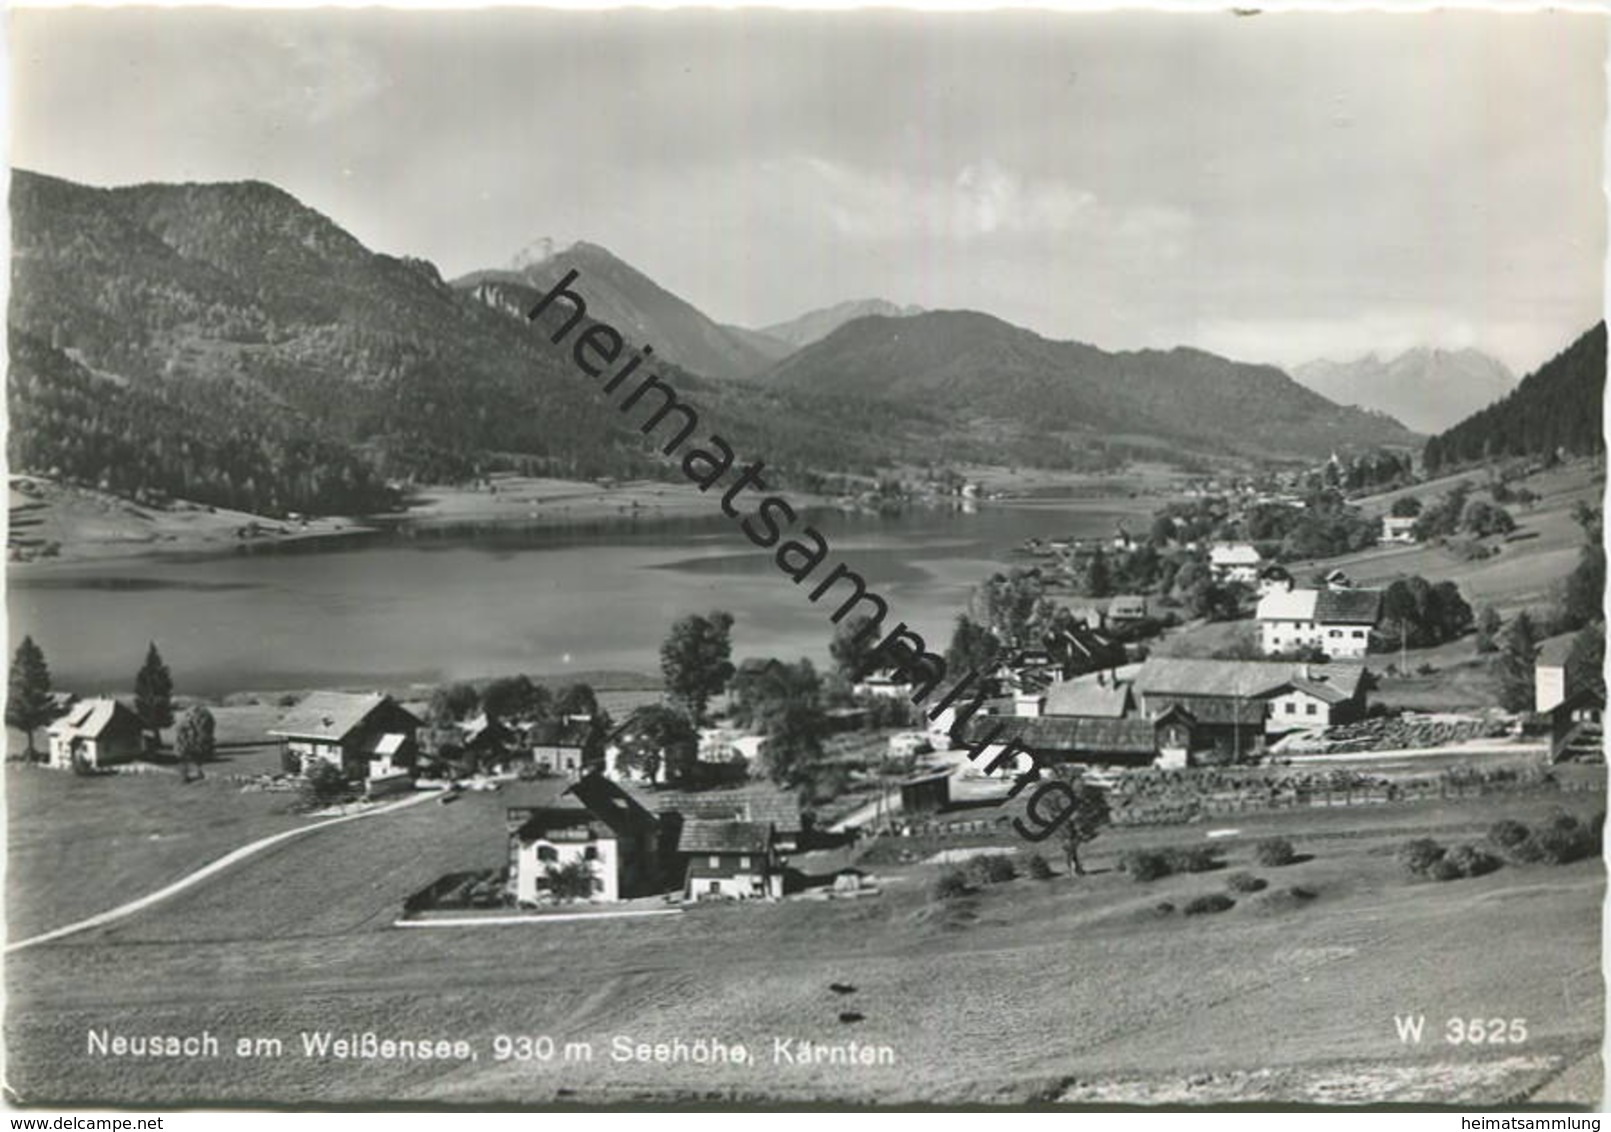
column 1066, row 990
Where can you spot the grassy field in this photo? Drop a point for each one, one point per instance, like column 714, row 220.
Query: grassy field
column 78, row 846
column 1027, row 992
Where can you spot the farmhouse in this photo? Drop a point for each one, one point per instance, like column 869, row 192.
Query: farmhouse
column 883, row 685
column 595, row 822
column 1236, row 700
column 363, row 736
column 729, row 860
column 1235, row 562
column 1075, row 648
column 751, row 803
column 102, row 732
column 1337, row 621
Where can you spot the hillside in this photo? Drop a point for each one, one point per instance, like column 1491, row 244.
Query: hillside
column 975, row 365
column 640, row 308
column 1427, row 389
column 1558, row 406
column 225, row 343
column 814, row 326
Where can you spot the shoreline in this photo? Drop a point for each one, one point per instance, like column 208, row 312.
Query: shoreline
column 56, row 527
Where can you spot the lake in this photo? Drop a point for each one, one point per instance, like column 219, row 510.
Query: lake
column 420, row 605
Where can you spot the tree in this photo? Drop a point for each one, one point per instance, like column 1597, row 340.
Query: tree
column 1090, row 815
column 696, row 661
column 1585, row 660
column 794, row 734
column 153, row 694
column 1482, row 518
column 28, row 702
column 972, row 648
column 516, row 697
column 656, row 738
column 194, row 741
column 1098, row 575
column 1012, row 606
column 1488, row 625
column 571, row 881
column 453, row 702
column 854, row 640
column 576, row 700
column 1585, row 588
column 1514, row 666
column 1406, row 507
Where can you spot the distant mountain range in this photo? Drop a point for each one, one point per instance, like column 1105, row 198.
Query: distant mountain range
column 226, row 343
column 977, row 366
column 1558, row 406
column 814, row 326
column 640, row 308
column 1427, row 389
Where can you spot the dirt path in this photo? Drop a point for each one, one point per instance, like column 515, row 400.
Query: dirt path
column 234, row 857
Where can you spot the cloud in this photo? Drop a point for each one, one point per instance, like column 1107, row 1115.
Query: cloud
column 981, row 201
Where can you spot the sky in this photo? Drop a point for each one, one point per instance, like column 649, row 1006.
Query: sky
column 1275, row 188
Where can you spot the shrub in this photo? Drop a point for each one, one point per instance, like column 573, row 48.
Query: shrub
column 1245, row 882
column 1039, row 869
column 1419, row 855
column 994, row 868
column 1145, row 864
column 949, row 885
column 1208, row 903
column 1273, row 852
column 1470, row 860
column 1508, row 833
column 1560, row 845
column 1164, row 907
column 1444, row 869
column 1191, row 859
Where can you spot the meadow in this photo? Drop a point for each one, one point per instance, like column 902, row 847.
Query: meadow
column 1063, row 990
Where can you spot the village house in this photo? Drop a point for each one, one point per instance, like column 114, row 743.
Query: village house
column 729, row 860
column 367, row 736
column 753, row 802
column 101, row 732
column 594, row 821
column 1550, row 677
column 1336, row 620
column 1074, row 648
column 1398, row 529
column 1236, row 699
column 1235, row 562
column 563, row 746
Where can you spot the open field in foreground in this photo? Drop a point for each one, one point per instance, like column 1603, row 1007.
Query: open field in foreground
column 1027, row 992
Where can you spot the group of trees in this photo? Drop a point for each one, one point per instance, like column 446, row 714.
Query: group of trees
column 1418, row 614
column 1455, row 512
column 1559, row 406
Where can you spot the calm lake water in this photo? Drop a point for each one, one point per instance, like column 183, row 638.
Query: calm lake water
column 424, row 606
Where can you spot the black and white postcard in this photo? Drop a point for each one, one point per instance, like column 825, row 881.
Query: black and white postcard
column 763, row 558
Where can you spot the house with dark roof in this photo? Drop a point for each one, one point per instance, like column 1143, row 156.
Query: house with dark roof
column 753, row 802
column 1233, row 703
column 1338, row 621
column 101, row 732
column 594, row 822
column 563, row 746
column 729, row 860
column 364, row 736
